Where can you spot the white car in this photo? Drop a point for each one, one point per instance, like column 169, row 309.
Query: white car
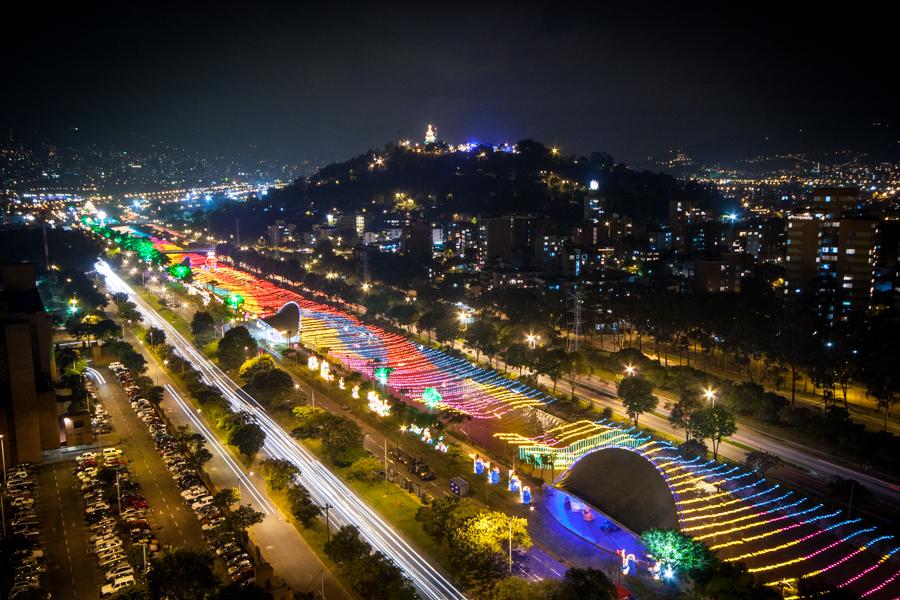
column 107, row 546
column 192, row 494
column 120, row 583
column 201, row 502
column 121, row 569
column 110, row 559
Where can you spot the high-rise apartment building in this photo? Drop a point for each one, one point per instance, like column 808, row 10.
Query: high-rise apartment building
column 28, row 407
column 834, row 258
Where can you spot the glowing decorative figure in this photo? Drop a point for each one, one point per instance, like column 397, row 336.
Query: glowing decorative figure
column 325, row 371
column 525, row 495
column 426, row 436
column 478, row 465
column 655, row 568
column 431, row 397
column 494, row 476
column 355, row 392
column 312, row 363
column 513, row 481
column 341, row 384
column 382, row 374
column 628, row 562
column 378, row 405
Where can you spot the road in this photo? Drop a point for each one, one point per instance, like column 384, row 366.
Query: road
column 282, row 546
column 324, row 486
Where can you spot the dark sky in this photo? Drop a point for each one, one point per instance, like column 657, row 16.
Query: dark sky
column 330, row 82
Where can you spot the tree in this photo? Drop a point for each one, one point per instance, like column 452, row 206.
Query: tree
column 257, row 364
column 575, row 364
column 247, row 438
column 587, row 584
column 235, row 346
column 241, row 519
column 715, row 423
column 239, row 591
column 302, row 507
column 684, row 412
column 676, row 550
column 761, row 461
column 444, row 516
column 155, row 336
column 181, row 574
column 203, row 327
column 271, row 386
column 309, row 420
column 550, row 363
column 367, row 469
column 129, row 311
column 342, row 440
column 480, row 546
column 516, row 588
column 346, row 545
column 225, row 497
column 279, row 473
column 637, row 396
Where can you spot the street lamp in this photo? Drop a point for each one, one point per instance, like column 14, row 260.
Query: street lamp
column 630, row 370
column 532, row 340
column 710, row 394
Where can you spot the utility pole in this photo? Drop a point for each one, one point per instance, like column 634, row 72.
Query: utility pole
column 327, row 507
column 46, row 250
column 365, row 257
column 577, row 297
column 237, row 232
column 510, row 546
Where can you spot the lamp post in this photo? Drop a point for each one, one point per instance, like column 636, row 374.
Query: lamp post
column 532, row 340
column 710, row 394
column 630, row 370
column 118, row 495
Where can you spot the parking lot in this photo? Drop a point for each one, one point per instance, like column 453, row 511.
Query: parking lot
column 73, row 573
column 174, row 523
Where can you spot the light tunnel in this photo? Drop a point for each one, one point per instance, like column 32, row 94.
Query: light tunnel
column 624, row 485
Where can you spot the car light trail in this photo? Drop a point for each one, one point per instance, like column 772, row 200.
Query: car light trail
column 260, row 498
column 323, row 485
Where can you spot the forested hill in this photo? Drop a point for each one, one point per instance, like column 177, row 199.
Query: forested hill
column 481, row 181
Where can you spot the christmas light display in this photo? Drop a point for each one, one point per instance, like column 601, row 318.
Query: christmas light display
column 749, row 519
column 378, row 405
column 728, row 504
column 412, row 368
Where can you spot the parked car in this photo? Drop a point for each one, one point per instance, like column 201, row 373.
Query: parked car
column 117, row 585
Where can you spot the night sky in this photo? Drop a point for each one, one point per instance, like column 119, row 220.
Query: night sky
column 328, row 83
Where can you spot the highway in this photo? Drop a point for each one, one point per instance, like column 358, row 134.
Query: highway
column 324, row 486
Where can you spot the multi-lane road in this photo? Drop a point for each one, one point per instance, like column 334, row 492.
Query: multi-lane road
column 324, row 486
